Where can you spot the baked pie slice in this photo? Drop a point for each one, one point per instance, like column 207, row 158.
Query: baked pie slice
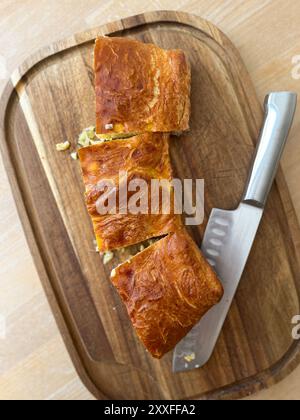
column 144, row 157
column 167, row 289
column 140, row 88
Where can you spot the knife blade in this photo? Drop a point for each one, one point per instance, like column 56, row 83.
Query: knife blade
column 230, row 234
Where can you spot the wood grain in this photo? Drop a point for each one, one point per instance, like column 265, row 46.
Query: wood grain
column 253, row 351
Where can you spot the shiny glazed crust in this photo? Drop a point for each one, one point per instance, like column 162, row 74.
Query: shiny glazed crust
column 145, row 157
column 167, row 289
column 140, row 87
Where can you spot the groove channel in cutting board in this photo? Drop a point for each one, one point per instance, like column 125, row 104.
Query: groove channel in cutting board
column 53, row 99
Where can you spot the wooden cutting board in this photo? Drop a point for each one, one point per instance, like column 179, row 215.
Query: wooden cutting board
column 51, row 98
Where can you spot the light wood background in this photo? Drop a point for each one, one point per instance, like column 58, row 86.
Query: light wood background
column 34, row 363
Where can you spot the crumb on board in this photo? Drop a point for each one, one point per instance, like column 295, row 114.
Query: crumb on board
column 88, row 137
column 83, row 139
column 190, row 357
column 108, row 256
column 91, row 132
column 62, row 147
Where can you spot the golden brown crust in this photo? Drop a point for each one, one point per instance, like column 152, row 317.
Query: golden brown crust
column 140, row 87
column 167, row 289
column 146, row 157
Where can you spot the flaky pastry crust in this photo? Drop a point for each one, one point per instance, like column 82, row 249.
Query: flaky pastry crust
column 145, row 157
column 140, row 87
column 166, row 290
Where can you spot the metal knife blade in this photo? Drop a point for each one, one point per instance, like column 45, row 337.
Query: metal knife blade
column 227, row 243
column 229, row 234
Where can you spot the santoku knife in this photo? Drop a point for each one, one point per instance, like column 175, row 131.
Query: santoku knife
column 229, row 235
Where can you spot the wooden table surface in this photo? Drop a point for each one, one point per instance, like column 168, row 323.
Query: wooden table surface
column 34, row 363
